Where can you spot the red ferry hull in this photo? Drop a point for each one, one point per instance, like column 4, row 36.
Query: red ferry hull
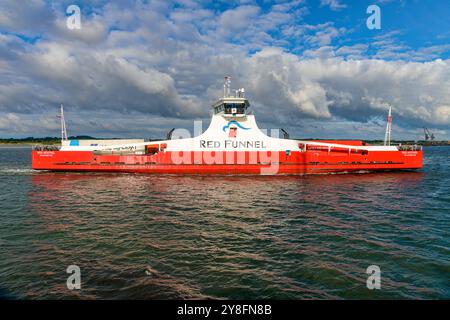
column 248, row 162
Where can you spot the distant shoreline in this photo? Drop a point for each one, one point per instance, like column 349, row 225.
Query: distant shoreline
column 15, row 145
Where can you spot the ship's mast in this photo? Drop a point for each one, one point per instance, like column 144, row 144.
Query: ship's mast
column 63, row 125
column 226, row 86
column 387, row 136
column 239, row 93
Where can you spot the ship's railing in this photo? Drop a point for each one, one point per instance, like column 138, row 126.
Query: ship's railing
column 118, row 153
column 45, row 148
column 409, row 147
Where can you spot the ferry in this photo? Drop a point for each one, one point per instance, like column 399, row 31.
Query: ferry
column 232, row 144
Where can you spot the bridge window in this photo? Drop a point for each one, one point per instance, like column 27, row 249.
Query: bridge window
column 218, row 108
column 238, row 108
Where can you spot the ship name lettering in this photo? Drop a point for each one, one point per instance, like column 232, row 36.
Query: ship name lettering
column 209, row 144
column 245, row 144
column 233, row 144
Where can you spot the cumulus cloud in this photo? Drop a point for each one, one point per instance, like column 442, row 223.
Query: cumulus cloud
column 333, row 4
column 26, row 17
column 140, row 67
column 357, row 90
column 90, row 80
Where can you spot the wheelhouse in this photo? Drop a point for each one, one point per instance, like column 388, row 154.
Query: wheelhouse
column 231, row 107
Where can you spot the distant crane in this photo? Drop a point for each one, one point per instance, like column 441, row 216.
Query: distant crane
column 429, row 136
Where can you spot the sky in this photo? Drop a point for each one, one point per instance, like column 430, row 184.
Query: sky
column 140, row 68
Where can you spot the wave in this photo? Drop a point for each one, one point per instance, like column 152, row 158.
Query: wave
column 16, row 170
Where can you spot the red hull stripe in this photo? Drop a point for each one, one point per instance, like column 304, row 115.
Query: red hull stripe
column 294, row 162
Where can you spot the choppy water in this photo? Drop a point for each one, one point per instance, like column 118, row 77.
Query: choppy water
column 159, row 236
